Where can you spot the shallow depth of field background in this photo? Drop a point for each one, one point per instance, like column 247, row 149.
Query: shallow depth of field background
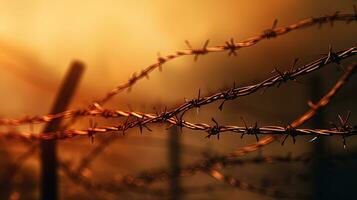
column 38, row 40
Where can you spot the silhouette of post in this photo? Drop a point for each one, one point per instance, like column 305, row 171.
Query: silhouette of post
column 49, row 179
column 174, row 159
column 320, row 179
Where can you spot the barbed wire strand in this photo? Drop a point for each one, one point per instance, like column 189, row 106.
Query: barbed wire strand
column 128, row 185
column 216, row 174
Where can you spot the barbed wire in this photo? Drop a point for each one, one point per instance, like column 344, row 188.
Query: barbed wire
column 230, row 46
column 142, row 120
column 146, row 178
column 140, row 184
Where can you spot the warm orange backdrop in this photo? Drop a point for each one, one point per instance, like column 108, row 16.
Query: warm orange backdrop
column 39, row 38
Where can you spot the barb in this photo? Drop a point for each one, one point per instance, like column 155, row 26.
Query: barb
column 251, row 130
column 287, row 75
column 214, row 130
column 229, row 46
column 198, row 52
column 333, row 57
column 228, row 95
column 343, row 126
column 270, row 33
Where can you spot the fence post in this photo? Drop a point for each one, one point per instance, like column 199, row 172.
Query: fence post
column 49, row 179
column 319, row 146
column 174, row 159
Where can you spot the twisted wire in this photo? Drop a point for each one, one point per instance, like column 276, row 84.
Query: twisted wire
column 171, row 116
column 230, row 46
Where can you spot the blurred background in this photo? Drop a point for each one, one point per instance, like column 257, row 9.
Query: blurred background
column 39, row 39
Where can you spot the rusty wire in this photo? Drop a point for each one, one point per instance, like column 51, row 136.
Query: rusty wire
column 171, row 116
column 230, row 46
column 216, row 174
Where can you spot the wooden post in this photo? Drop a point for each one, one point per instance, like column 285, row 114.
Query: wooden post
column 174, row 159
column 320, row 181
column 49, row 180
